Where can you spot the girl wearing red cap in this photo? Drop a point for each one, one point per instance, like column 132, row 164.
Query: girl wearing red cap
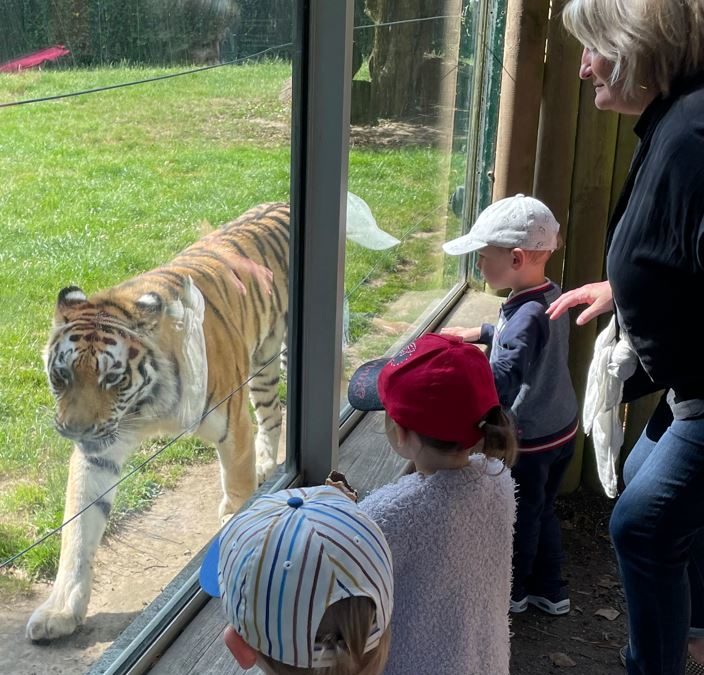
column 449, row 522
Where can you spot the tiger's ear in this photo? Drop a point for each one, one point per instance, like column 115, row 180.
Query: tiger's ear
column 69, row 297
column 150, row 303
column 150, row 309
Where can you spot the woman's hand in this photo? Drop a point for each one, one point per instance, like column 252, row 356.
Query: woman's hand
column 467, row 334
column 598, row 296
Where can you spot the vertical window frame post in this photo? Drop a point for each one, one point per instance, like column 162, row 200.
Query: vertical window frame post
column 319, row 202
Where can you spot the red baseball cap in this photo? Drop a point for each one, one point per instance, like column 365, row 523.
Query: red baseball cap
column 437, row 386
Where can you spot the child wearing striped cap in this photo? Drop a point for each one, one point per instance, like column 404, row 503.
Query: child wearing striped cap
column 306, row 584
column 449, row 523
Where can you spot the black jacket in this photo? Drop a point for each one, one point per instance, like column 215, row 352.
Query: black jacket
column 655, row 242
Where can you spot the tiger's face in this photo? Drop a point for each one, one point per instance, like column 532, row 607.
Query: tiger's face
column 102, row 373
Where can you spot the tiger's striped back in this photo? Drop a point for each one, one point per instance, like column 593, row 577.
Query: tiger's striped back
column 244, row 262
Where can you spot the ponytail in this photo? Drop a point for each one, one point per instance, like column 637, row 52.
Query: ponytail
column 499, row 437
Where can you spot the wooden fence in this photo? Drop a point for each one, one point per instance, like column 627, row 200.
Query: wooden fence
column 553, row 143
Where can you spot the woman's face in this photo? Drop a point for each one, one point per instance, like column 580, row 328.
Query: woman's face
column 608, row 96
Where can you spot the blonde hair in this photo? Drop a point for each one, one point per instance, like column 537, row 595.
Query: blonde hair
column 344, row 628
column 535, row 257
column 650, row 42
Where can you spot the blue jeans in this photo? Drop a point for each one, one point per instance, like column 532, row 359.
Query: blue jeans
column 537, row 545
column 656, row 527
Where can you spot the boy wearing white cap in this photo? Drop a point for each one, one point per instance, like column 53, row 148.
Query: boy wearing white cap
column 306, row 583
column 514, row 239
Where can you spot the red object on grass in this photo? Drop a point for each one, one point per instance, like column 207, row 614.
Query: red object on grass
column 34, row 59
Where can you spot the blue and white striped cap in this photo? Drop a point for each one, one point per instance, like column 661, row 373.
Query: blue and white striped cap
column 281, row 563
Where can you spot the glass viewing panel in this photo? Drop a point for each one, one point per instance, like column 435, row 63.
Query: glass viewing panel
column 410, row 119
column 98, row 189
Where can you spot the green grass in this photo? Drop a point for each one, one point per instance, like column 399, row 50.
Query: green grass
column 99, row 188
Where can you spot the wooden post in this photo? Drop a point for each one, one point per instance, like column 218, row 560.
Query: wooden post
column 519, row 110
column 558, row 128
column 639, row 411
column 521, row 88
column 584, row 255
column 555, row 157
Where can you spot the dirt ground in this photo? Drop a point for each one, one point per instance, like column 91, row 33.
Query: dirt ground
column 132, row 567
column 582, row 642
column 160, row 542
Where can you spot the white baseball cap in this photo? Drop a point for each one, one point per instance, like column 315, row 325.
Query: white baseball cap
column 362, row 227
column 514, row 222
column 281, row 563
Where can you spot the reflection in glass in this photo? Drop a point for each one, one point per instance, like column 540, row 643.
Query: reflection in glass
column 99, row 189
column 411, row 96
column 94, row 33
column 363, row 230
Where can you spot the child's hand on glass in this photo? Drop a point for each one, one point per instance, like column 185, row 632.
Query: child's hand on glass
column 467, row 334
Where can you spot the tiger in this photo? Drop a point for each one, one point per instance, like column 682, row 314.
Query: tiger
column 153, row 355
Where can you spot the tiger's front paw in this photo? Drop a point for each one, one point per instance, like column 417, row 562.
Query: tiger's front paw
column 228, row 508
column 48, row 622
column 265, row 468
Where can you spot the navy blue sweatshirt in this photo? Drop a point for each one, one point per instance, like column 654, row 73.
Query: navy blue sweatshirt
column 529, row 360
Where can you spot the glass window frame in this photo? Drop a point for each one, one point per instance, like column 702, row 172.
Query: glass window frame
column 322, row 64
column 484, row 120
column 479, row 177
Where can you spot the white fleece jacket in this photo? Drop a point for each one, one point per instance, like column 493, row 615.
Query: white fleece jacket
column 451, row 538
column 614, row 362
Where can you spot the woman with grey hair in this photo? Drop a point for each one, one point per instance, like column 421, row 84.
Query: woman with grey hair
column 646, row 58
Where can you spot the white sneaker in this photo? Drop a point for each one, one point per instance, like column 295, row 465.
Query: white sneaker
column 519, row 606
column 547, row 606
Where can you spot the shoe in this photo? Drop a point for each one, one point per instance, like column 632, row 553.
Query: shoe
column 519, row 606
column 691, row 667
column 554, row 606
